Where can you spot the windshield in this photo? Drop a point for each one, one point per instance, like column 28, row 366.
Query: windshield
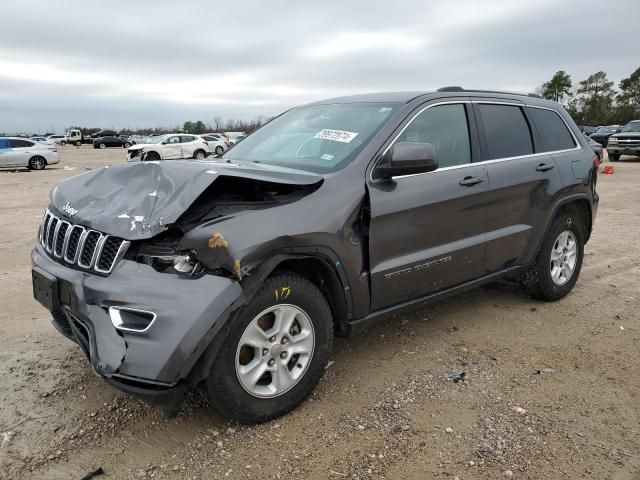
column 157, row 139
column 606, row 130
column 631, row 127
column 316, row 138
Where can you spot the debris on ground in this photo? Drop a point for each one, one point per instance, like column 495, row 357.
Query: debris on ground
column 544, row 370
column 456, row 377
column 6, row 438
column 97, row 472
column 519, row 410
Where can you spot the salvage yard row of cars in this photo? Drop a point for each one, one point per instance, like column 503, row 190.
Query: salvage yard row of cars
column 234, row 275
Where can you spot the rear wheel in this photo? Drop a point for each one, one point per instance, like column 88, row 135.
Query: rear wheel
column 127, row 145
column 37, row 163
column 557, row 266
column 275, row 351
column 199, row 155
column 63, row 143
column 102, row 145
column 219, row 150
column 614, row 157
column 78, row 143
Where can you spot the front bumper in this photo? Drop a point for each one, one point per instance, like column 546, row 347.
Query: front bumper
column 145, row 364
column 621, row 149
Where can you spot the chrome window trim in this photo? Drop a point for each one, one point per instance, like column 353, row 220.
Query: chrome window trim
column 482, row 162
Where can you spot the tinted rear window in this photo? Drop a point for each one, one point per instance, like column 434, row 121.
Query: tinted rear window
column 552, row 130
column 506, row 130
column 20, row 143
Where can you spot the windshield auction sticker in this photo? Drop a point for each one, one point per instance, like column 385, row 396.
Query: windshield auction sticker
column 336, row 135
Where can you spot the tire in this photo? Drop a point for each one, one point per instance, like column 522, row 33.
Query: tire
column 199, row 155
column 78, row 144
column 127, row 145
column 224, row 388
column 540, row 281
column 62, row 144
column 37, row 163
column 102, row 145
column 219, row 150
column 614, row 157
column 152, row 156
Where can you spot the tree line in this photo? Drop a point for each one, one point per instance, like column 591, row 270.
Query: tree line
column 196, row 127
column 594, row 100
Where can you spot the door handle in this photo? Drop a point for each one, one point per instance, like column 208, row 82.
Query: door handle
column 470, row 181
column 545, row 167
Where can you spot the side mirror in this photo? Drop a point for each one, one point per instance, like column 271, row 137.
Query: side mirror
column 408, row 158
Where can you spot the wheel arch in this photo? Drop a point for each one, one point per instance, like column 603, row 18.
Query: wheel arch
column 578, row 205
column 318, row 268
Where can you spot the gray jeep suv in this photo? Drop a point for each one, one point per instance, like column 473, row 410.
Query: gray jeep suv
column 234, row 275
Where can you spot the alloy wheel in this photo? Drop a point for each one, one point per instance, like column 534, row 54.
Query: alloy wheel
column 564, row 256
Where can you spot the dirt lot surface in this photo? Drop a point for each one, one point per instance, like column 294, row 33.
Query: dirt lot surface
column 384, row 409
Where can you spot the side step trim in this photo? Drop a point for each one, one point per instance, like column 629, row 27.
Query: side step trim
column 355, row 327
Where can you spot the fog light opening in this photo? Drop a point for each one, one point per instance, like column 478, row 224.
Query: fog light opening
column 131, row 319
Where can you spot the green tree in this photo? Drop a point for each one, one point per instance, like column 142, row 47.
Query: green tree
column 630, row 90
column 199, row 127
column 188, row 127
column 596, row 99
column 558, row 87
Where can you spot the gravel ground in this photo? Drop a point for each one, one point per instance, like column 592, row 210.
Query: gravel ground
column 549, row 390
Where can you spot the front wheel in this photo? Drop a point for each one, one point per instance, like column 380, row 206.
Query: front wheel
column 557, row 266
column 102, row 145
column 127, row 145
column 275, row 351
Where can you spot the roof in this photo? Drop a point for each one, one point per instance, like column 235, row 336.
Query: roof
column 406, row 97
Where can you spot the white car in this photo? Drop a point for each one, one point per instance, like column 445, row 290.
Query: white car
column 22, row 152
column 59, row 139
column 169, row 147
column 41, row 140
column 216, row 145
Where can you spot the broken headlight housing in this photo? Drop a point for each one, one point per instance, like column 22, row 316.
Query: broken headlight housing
column 166, row 260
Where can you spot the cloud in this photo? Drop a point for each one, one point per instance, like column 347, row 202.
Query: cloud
column 135, row 64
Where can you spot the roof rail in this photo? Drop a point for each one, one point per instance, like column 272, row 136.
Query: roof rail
column 460, row 89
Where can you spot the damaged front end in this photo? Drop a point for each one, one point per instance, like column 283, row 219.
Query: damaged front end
column 174, row 276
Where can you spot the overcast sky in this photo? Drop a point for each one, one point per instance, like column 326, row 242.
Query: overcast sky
column 139, row 63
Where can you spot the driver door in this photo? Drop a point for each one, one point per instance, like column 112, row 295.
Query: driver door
column 172, row 148
column 428, row 230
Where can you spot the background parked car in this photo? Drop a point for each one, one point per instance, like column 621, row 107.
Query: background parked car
column 602, row 134
column 41, row 140
column 587, row 129
column 596, row 147
column 170, row 147
column 58, row 139
column 111, row 141
column 21, row 152
column 627, row 142
column 216, row 146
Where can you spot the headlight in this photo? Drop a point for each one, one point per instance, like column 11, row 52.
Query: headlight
column 183, row 262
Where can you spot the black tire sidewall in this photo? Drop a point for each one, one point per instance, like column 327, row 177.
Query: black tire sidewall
column 547, row 286
column 219, row 150
column 223, row 387
column 32, row 167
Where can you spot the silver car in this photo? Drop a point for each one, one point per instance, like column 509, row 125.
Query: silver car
column 22, row 152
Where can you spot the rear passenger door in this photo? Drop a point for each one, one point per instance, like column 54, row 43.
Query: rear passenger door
column 523, row 180
column 189, row 146
column 427, row 231
column 20, row 152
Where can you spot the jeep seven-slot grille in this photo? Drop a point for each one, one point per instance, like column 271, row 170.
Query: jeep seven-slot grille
column 78, row 246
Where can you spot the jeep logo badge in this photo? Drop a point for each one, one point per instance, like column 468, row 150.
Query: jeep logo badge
column 68, row 210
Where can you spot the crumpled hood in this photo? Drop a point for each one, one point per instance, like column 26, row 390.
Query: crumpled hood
column 139, row 200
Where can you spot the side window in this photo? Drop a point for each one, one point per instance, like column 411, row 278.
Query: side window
column 19, row 143
column 446, row 128
column 187, row 139
column 552, row 130
column 506, row 131
column 173, row 140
